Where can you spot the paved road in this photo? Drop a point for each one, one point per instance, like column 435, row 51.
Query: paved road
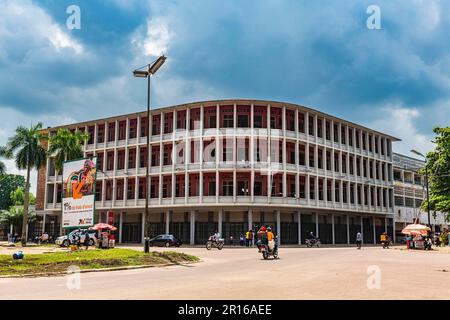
column 300, row 273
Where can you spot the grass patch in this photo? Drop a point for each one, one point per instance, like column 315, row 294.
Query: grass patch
column 90, row 259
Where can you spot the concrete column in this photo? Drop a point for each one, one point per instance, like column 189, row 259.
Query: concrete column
column 120, row 226
column 316, row 157
column 316, row 190
column 333, row 192
column 143, row 227
column 317, row 225
column 362, row 230
column 250, row 219
column 307, row 189
column 299, row 220
column 234, row 181
column 43, row 222
column 307, row 155
column 219, row 222
column 192, row 235
column 307, row 125
column 374, row 233
column 385, row 224
column 348, row 229
column 332, row 228
column 315, row 125
column 279, row 227
column 393, row 228
column 167, row 222
column 332, row 132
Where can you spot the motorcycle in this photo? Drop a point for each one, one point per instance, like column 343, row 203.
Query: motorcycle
column 213, row 243
column 387, row 243
column 428, row 244
column 266, row 253
column 313, row 242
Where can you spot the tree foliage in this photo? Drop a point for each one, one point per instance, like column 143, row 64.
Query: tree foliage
column 18, row 197
column 14, row 216
column 66, row 145
column 438, row 164
column 25, row 146
column 9, row 183
column 3, row 154
column 27, row 150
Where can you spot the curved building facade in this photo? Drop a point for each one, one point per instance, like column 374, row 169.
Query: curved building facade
column 232, row 165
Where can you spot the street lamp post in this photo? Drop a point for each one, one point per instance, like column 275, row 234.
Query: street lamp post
column 426, row 184
column 146, row 72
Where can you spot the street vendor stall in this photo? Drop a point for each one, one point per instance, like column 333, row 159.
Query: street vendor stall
column 105, row 239
column 417, row 236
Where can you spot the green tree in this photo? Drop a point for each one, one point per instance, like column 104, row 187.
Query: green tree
column 3, row 154
column 66, row 145
column 438, row 164
column 14, row 217
column 17, row 197
column 26, row 147
column 9, row 183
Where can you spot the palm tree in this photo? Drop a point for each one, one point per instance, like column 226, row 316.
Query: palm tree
column 4, row 154
column 66, row 145
column 26, row 147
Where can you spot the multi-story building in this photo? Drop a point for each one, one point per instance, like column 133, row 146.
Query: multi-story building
column 409, row 193
column 232, row 165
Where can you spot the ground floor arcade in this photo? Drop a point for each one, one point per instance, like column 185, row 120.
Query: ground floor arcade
column 194, row 226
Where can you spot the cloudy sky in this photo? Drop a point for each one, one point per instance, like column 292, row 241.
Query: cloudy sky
column 316, row 53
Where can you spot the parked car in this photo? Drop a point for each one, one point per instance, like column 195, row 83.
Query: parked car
column 165, row 240
column 65, row 240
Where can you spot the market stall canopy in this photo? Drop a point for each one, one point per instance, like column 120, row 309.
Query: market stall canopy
column 416, row 229
column 103, row 226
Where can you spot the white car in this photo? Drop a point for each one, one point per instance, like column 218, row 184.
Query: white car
column 63, row 241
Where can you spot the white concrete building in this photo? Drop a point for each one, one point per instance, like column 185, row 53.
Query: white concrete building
column 232, row 165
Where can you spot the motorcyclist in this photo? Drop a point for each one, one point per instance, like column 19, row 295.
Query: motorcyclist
column 262, row 236
column 270, row 238
column 216, row 236
column 384, row 240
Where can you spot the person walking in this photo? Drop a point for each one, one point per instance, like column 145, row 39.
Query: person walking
column 247, row 238
column 250, row 238
column 358, row 240
column 87, row 240
column 242, row 240
column 78, row 239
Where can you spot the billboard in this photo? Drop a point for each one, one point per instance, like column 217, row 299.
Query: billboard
column 78, row 198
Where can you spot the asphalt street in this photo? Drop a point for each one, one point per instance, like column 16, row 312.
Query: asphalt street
column 241, row 273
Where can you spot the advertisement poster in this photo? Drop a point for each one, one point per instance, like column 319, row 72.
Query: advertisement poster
column 78, row 199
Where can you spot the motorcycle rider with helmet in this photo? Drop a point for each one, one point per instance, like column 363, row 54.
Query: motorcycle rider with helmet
column 270, row 239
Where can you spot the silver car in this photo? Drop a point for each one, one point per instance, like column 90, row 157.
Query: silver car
column 65, row 240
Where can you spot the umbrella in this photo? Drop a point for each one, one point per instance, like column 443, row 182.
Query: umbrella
column 103, row 226
column 416, row 229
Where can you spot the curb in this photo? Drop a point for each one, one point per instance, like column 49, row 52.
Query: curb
column 49, row 274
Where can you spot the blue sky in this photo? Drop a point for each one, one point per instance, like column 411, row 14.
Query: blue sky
column 315, row 53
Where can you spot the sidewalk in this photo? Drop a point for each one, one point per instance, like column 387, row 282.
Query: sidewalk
column 227, row 246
